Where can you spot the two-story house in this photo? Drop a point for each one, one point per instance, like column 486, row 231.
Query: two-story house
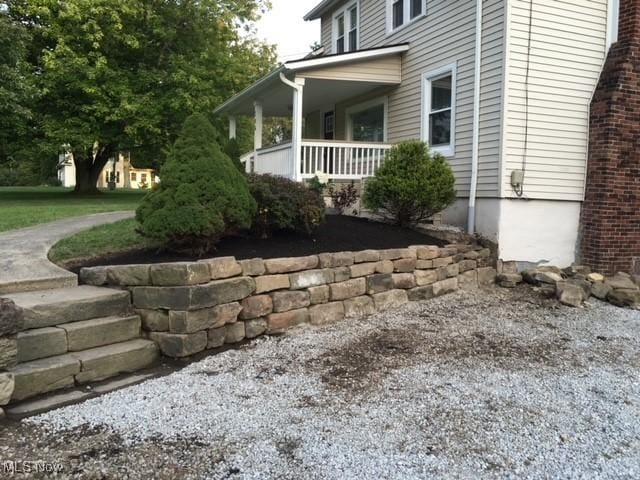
column 502, row 88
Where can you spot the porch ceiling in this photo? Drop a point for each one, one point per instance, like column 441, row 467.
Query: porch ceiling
column 328, row 80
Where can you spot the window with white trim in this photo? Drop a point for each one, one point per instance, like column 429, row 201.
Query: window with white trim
column 403, row 12
column 438, row 110
column 346, row 29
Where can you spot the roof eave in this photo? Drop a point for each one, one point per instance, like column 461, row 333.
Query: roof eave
column 253, row 87
column 359, row 55
column 320, row 9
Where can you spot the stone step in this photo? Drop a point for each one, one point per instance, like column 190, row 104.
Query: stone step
column 99, row 332
column 44, row 376
column 54, row 373
column 76, row 336
column 104, row 362
column 70, row 397
column 48, row 308
column 41, row 343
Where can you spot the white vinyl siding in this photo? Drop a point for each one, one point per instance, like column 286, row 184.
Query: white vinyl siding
column 491, row 102
column 444, row 35
column 326, row 33
column 380, row 70
column 567, row 53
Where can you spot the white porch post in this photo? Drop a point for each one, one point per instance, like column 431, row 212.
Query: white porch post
column 257, row 134
column 232, row 128
column 296, row 134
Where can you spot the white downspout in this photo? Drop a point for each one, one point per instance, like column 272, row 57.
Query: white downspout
column 296, row 134
column 473, row 191
column 613, row 13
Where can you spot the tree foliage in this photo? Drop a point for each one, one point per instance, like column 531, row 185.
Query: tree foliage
column 202, row 196
column 412, row 185
column 120, row 75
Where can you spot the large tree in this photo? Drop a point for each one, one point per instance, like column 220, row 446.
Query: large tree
column 121, row 75
column 16, row 88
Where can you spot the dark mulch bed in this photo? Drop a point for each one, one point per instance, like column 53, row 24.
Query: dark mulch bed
column 339, row 233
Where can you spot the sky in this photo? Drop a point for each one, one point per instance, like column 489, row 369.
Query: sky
column 283, row 25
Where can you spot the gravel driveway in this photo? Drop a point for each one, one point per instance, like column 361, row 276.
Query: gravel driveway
column 490, row 384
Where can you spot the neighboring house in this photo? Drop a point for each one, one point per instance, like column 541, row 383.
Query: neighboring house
column 119, row 170
column 501, row 88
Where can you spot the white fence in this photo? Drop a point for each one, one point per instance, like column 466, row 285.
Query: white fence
column 339, row 160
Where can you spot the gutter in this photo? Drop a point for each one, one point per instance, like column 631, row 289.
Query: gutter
column 473, row 192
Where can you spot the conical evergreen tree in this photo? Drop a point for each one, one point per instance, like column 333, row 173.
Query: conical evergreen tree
column 201, row 197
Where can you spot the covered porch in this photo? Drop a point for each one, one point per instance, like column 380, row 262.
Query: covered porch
column 339, row 114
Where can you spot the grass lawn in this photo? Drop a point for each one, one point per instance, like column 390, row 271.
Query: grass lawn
column 105, row 239
column 25, row 206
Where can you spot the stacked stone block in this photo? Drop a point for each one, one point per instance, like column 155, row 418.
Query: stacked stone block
column 190, row 307
column 10, row 325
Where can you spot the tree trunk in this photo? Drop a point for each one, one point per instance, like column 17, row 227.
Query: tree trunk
column 89, row 167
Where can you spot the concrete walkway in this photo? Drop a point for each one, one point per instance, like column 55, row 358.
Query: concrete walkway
column 24, row 265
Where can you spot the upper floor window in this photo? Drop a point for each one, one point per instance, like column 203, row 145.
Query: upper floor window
column 403, row 12
column 345, row 29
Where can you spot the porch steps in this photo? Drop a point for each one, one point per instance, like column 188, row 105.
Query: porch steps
column 73, row 336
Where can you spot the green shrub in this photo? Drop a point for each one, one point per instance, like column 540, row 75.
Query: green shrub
column 232, row 149
column 285, row 205
column 9, row 178
column 202, row 196
column 411, row 186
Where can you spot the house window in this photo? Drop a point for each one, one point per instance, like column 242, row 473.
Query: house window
column 403, row 12
column 367, row 122
column 134, row 177
column 398, row 13
column 353, row 28
column 340, row 41
column 439, row 109
column 345, row 29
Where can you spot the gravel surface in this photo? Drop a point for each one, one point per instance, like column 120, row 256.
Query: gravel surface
column 489, row 384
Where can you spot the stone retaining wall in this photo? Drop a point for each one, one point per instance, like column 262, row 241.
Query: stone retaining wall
column 10, row 325
column 195, row 306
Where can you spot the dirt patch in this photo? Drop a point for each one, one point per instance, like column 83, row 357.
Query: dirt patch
column 362, row 364
column 339, row 233
column 83, row 452
column 359, row 365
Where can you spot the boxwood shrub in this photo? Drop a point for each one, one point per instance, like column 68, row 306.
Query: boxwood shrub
column 411, row 186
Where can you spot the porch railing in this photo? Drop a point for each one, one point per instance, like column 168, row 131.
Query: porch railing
column 342, row 160
column 339, row 160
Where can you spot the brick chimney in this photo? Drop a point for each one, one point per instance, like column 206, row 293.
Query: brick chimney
column 610, row 224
